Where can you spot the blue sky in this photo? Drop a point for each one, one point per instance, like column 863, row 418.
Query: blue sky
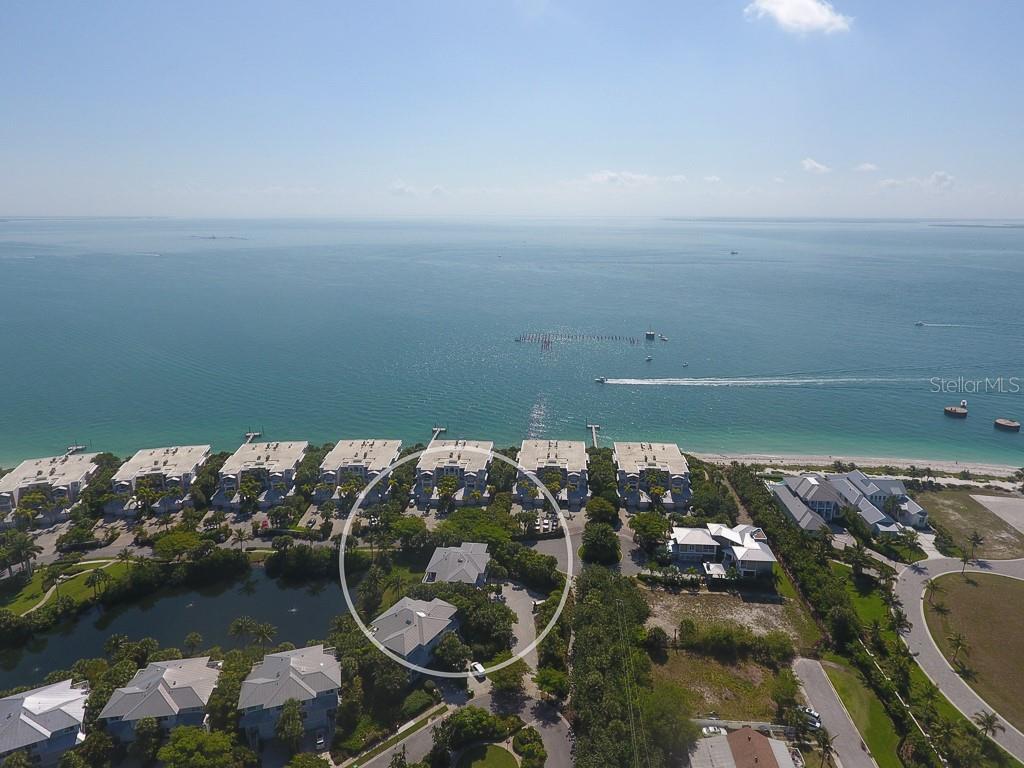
column 535, row 107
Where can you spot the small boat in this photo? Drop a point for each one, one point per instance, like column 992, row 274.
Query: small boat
column 649, row 335
column 957, row 411
column 734, row 253
column 685, row 364
column 1008, row 425
column 649, row 358
column 601, row 379
column 919, row 323
column 663, row 337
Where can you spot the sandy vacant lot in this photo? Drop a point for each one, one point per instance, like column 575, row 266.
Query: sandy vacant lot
column 667, row 609
column 1009, row 508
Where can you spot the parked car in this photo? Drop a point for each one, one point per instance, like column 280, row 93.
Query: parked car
column 809, row 713
column 477, row 669
column 321, row 742
column 713, row 730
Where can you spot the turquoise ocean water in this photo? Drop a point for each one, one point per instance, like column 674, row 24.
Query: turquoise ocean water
column 130, row 333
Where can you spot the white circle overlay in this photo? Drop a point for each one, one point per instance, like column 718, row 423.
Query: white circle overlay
column 348, row 527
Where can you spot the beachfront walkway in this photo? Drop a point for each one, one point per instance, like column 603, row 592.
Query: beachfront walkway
column 910, row 589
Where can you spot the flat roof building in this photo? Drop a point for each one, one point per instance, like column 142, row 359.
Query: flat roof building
column 566, row 457
column 168, row 468
column 63, row 477
column 465, row 460
column 45, row 722
column 272, row 464
column 364, row 459
column 640, row 466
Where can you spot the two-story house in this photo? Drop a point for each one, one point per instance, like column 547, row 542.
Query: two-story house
column 311, row 676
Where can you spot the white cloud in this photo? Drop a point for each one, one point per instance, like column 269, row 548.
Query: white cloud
column 626, row 179
column 801, row 15
column 399, row 188
column 779, row 180
column 438, row 191
column 937, row 180
column 811, row 165
column 712, row 179
column 867, row 168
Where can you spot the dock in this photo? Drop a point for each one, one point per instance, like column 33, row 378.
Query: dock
column 436, row 432
column 593, row 433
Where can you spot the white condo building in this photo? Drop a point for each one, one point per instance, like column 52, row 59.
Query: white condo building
column 273, row 465
column 362, row 459
column 465, row 460
column 642, row 466
column 566, row 458
column 61, row 478
column 170, row 470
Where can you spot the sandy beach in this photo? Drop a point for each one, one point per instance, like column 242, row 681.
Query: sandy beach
column 864, row 462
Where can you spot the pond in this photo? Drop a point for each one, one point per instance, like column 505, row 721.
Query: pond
column 300, row 613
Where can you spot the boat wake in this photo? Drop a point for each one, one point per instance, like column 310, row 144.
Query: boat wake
column 782, row 381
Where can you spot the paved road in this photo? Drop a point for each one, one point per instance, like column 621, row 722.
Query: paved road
column 553, row 729
column 910, row 588
column 822, row 697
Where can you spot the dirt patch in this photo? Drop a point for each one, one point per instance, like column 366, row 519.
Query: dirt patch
column 668, row 609
column 961, row 513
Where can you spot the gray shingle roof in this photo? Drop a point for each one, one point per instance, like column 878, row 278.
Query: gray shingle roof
column 409, row 624
column 33, row 716
column 163, row 689
column 465, row 563
column 300, row 674
column 797, row 510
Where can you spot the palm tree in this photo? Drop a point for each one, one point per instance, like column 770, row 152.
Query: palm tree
column 958, row 644
column 125, row 556
column 97, row 578
column 825, row 744
column 22, row 549
column 192, row 642
column 965, row 558
column 263, row 633
column 858, row 558
column 240, row 536
column 988, row 723
column 932, row 588
column 975, row 540
column 242, row 627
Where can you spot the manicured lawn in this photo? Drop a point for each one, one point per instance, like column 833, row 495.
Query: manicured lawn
column 740, row 691
column 489, row 756
column 959, row 514
column 869, row 605
column 985, row 608
column 75, row 588
column 870, row 717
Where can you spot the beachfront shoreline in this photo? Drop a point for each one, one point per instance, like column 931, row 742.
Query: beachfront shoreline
column 864, row 462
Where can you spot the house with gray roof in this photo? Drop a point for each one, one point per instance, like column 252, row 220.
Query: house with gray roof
column 311, row 676
column 829, row 495
column 171, row 692
column 413, row 628
column 44, row 722
column 818, row 494
column 798, row 512
column 466, row 564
